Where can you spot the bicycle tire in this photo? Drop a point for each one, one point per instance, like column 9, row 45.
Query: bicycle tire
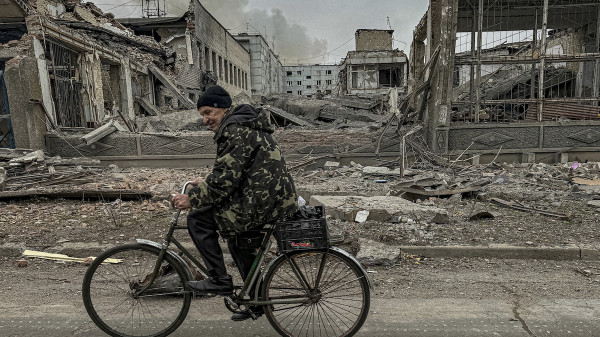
column 107, row 291
column 339, row 307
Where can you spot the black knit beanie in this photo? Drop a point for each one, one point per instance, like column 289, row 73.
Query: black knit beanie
column 214, row 96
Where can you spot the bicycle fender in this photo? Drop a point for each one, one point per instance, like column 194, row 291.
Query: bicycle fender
column 170, row 252
column 360, row 266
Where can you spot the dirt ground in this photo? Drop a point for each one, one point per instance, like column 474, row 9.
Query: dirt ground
column 42, row 222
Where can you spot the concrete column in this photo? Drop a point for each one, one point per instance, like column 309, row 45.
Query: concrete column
column 28, row 119
column 564, row 158
column 126, row 90
column 475, row 159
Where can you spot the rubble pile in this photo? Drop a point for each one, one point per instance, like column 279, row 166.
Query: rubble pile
column 498, row 203
column 26, row 174
column 332, row 112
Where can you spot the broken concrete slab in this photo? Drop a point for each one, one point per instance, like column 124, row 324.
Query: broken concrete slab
column 288, row 116
column 376, row 253
column 29, row 158
column 102, row 132
column 377, row 170
column 381, row 208
column 591, row 203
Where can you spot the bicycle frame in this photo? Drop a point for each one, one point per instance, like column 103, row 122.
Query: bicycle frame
column 253, row 275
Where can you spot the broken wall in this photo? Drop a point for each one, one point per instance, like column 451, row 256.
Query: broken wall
column 373, row 39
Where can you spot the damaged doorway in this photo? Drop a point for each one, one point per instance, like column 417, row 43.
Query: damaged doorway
column 66, row 85
column 7, row 138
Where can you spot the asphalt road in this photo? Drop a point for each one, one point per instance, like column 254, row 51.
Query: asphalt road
column 465, row 297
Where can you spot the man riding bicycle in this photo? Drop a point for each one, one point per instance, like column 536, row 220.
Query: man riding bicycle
column 249, row 186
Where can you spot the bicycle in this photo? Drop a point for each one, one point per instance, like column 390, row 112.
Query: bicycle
column 304, row 290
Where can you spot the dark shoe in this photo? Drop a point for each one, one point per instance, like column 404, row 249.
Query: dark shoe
column 218, row 285
column 252, row 312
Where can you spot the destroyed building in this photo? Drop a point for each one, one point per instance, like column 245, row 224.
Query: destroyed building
column 310, row 80
column 374, row 67
column 508, row 79
column 265, row 66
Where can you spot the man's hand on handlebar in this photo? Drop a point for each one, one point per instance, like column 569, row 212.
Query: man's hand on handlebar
column 197, row 181
column 181, row 201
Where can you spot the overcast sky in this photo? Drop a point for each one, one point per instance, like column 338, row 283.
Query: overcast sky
column 304, row 32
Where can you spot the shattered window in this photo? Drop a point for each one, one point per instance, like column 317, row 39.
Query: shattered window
column 299, row 72
column 289, row 73
column 299, row 82
column 309, row 87
column 389, row 77
column 318, row 82
column 328, row 82
column 308, row 77
column 327, row 72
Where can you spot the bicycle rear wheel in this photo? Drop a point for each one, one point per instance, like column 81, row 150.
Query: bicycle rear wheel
column 111, row 281
column 337, row 306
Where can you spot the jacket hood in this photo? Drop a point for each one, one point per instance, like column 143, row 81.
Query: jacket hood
column 246, row 115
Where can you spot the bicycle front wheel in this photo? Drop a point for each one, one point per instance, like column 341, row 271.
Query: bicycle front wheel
column 333, row 289
column 112, row 280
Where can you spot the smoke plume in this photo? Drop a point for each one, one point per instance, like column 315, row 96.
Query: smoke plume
column 289, row 40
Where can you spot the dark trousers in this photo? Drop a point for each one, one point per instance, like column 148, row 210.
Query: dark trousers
column 203, row 230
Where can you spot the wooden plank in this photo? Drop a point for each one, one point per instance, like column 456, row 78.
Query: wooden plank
column 101, row 194
column 171, row 86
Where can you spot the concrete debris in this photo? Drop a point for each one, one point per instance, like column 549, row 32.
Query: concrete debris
column 376, row 253
column 331, row 164
column 380, row 171
column 380, row 208
column 287, row 117
column 35, row 156
column 594, row 203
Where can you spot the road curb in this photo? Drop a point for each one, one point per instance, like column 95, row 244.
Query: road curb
column 503, row 252
column 83, row 249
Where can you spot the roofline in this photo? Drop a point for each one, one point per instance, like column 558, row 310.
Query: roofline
column 217, row 21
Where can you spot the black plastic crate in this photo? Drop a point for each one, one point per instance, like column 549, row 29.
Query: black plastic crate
column 302, row 234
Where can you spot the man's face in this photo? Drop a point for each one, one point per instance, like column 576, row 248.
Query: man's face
column 212, row 116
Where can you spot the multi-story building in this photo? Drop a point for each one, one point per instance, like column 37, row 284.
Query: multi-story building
column 308, row 80
column 374, row 67
column 265, row 67
column 216, row 53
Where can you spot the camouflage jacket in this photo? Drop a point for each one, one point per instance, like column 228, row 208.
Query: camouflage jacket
column 249, row 185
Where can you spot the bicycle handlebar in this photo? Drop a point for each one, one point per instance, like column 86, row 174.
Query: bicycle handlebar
column 187, row 183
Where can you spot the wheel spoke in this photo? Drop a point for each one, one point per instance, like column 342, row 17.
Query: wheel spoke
column 160, row 309
column 337, row 307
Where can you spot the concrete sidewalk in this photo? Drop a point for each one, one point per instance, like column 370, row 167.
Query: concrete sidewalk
column 500, row 251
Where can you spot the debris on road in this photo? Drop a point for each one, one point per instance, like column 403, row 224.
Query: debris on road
column 63, row 257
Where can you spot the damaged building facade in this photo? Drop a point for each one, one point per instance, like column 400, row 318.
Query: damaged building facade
column 310, row 80
column 265, row 66
column 509, row 79
column 374, row 67
column 68, row 68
